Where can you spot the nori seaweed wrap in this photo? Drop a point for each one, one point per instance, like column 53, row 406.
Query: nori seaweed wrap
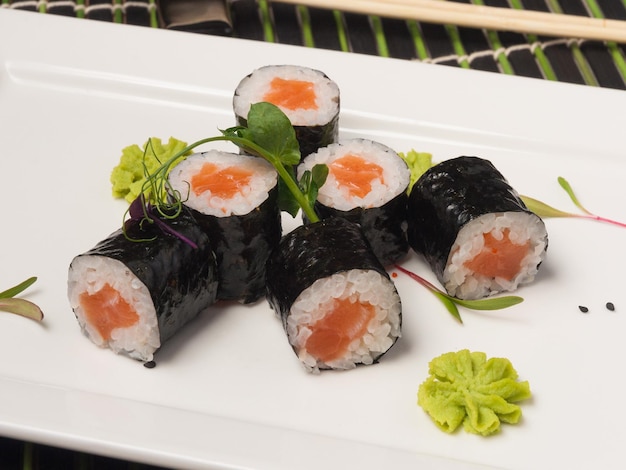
column 132, row 292
column 474, row 229
column 337, row 303
column 234, row 199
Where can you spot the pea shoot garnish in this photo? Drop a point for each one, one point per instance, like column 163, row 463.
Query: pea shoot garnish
column 452, row 303
column 544, row 210
column 268, row 135
column 25, row 308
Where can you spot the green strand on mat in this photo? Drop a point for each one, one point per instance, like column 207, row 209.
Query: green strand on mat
column 418, row 40
column 154, row 14
column 457, row 44
column 80, row 8
column 268, row 29
column 118, row 14
column 43, row 7
column 579, row 58
column 542, row 60
column 305, row 25
column 341, row 31
column 496, row 45
column 27, row 456
column 379, row 34
column 615, row 51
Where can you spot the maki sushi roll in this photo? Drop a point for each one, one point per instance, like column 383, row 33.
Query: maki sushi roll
column 337, row 303
column 474, row 229
column 136, row 289
column 367, row 184
column 307, row 96
column 234, row 199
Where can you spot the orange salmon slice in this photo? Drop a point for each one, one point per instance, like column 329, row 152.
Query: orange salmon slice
column 356, row 174
column 291, row 94
column 224, row 183
column 106, row 310
column 332, row 334
column 499, row 258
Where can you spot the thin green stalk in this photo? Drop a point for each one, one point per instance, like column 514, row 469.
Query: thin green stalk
column 614, row 50
column 418, row 40
column 118, row 13
column 80, row 8
column 494, row 41
column 28, row 457
column 379, row 34
column 453, row 32
column 542, row 60
column 305, row 23
column 154, row 16
column 341, row 31
column 268, row 29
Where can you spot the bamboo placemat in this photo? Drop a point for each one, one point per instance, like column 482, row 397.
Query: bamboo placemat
column 571, row 60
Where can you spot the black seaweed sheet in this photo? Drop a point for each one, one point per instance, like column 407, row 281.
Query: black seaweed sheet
column 448, row 196
column 315, row 251
column 181, row 279
column 242, row 244
column 384, row 227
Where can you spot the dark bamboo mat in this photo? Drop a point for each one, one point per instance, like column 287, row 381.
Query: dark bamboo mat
column 571, row 60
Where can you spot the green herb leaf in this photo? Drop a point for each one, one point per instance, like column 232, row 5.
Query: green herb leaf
column 270, row 128
column 15, row 290
column 544, row 210
column 21, row 307
column 491, row 303
column 570, row 192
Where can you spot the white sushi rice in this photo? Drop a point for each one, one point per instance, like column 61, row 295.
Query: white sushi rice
column 359, row 285
column 250, row 196
column 461, row 282
column 395, row 178
column 253, row 88
column 88, row 274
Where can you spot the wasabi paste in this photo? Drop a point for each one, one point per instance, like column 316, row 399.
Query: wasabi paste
column 467, row 388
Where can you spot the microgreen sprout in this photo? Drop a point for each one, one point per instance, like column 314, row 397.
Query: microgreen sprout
column 544, row 210
column 451, row 303
column 23, row 307
column 269, row 135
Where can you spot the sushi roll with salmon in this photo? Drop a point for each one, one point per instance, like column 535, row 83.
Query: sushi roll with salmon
column 474, row 229
column 367, row 184
column 337, row 303
column 138, row 287
column 234, row 199
column 307, row 96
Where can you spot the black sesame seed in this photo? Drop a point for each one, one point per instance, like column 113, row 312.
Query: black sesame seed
column 610, row 306
column 149, row 365
column 583, row 309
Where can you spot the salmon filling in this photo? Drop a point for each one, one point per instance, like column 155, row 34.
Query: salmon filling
column 355, row 174
column 332, row 334
column 106, row 310
column 223, row 183
column 291, row 94
column 499, row 258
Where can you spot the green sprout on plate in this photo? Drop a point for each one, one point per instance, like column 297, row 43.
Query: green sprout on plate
column 9, row 303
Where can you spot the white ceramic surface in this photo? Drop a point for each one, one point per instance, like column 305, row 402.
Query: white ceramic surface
column 227, row 391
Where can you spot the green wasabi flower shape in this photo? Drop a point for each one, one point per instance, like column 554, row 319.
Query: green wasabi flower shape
column 137, row 163
column 465, row 387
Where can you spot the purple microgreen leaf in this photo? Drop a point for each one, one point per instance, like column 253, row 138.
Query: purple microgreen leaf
column 22, row 307
column 168, row 229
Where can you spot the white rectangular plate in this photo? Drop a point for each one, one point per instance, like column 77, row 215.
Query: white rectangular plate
column 228, row 392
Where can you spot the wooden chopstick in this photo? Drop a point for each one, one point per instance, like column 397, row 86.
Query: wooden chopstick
column 481, row 16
